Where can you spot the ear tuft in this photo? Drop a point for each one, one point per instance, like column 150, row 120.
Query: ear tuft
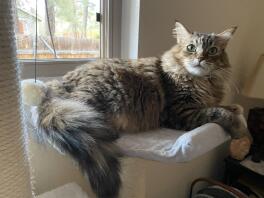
column 227, row 34
column 180, row 32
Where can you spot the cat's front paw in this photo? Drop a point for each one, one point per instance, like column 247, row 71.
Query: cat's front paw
column 239, row 148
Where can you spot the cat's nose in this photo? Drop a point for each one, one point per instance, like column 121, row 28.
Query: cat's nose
column 201, row 59
column 202, row 62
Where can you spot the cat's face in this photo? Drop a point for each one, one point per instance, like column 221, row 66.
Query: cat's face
column 200, row 53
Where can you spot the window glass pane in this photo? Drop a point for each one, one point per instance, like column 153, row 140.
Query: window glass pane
column 72, row 23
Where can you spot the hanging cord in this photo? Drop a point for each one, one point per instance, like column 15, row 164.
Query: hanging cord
column 51, row 36
column 36, row 43
column 36, row 37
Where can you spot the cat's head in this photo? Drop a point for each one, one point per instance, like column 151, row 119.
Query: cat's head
column 199, row 54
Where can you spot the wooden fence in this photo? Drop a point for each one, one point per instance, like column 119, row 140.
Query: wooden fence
column 66, row 47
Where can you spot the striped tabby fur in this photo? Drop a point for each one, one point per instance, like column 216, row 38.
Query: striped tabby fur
column 84, row 113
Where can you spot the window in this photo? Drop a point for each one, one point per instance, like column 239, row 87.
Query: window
column 71, row 23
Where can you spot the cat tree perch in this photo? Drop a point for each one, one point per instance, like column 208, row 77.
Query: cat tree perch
column 14, row 169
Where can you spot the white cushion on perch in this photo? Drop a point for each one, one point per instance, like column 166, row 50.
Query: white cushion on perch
column 173, row 145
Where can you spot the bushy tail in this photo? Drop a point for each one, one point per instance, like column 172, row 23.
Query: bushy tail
column 77, row 129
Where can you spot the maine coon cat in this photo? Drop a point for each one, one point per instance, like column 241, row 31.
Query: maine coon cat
column 85, row 113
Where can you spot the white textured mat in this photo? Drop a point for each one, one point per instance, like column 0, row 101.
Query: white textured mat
column 173, row 145
column 165, row 144
column 71, row 190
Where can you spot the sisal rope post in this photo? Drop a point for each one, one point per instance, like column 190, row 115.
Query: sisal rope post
column 14, row 167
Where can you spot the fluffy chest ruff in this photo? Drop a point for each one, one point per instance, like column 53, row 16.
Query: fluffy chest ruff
column 205, row 91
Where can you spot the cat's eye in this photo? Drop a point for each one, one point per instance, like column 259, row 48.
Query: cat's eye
column 212, row 51
column 191, row 48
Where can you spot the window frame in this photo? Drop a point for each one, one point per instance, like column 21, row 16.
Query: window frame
column 109, row 46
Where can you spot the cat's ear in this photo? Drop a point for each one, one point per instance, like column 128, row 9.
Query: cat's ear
column 180, row 32
column 226, row 35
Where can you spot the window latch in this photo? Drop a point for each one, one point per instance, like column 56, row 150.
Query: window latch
column 98, row 17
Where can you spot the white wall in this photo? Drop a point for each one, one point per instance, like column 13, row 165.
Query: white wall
column 130, row 28
column 157, row 19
